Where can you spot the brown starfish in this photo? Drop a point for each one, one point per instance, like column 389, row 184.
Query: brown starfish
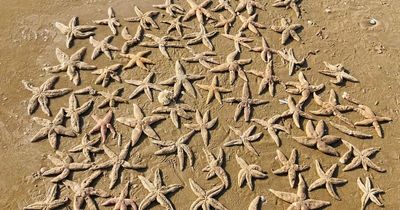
column 74, row 31
column 226, row 23
column 268, row 79
column 287, row 30
column 339, row 72
column 214, row 166
column 369, row 193
column 201, row 36
column 176, row 24
column 111, row 21
column 161, row 43
column 296, row 112
column 171, row 8
column 130, row 40
column 144, row 19
column 202, row 125
column 179, row 110
column 245, row 138
column 266, row 51
column 122, row 202
column 74, row 111
column 288, row 4
column 290, row 167
column 102, row 46
column 303, row 88
column 214, row 90
column 287, row 56
column 138, row 59
column 87, row 147
column 249, row 5
column 204, row 58
column 234, row 66
column 144, row 86
column 103, row 125
column 371, row 119
column 360, row 158
column 239, row 40
column 248, row 172
column 50, row 202
column 106, row 74
column 251, row 24
column 198, row 10
column 111, row 99
column 205, row 198
column 272, row 127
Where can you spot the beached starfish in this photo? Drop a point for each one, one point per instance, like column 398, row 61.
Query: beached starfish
column 245, row 139
column 74, row 31
column 350, row 132
column 239, row 40
column 360, row 158
column 290, row 166
column 171, row 8
column 161, row 43
column 144, row 86
column 122, row 202
column 70, row 64
column 73, row 111
column 106, row 74
column 84, row 193
column 371, row 119
column 103, row 125
column 214, row 90
column 111, row 99
column 144, row 19
column 42, row 94
column 179, row 110
column 130, row 40
column 223, row 5
column 176, row 24
column 202, row 125
column 369, row 193
column 179, row 148
column 248, row 172
column 50, row 202
column 296, row 112
column 157, row 191
column 257, row 202
column 226, row 23
column 141, row 124
column 266, row 50
column 249, row 5
column 204, row 58
column 251, row 24
column 288, row 4
column 287, row 29
column 300, row 200
column 87, row 147
column 52, row 129
column 326, row 179
column 272, row 127
column 214, row 166
column 205, row 198
column 88, row 90
column 137, row 59
column 245, row 103
column 303, row 88
column 233, row 65
column 198, row 10
column 102, row 46
column 287, row 56
column 201, row 36
column 268, row 79
column 111, row 21
column 339, row 72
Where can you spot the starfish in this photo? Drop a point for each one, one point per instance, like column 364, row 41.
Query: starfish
column 171, row 8
column 176, row 24
column 144, row 86
column 83, row 193
column 50, row 202
column 288, row 3
column 144, row 19
column 102, row 46
column 122, row 202
column 89, row 90
column 315, row 137
column 214, row 167
column 296, row 112
column 268, row 79
column 287, row 30
column 131, row 40
column 272, row 127
column 214, row 90
column 103, row 124
column 332, row 107
column 138, row 59
column 303, row 87
column 52, row 129
column 111, row 21
column 178, row 148
column 350, row 132
column 157, row 191
column 371, row 119
column 70, row 64
column 223, row 5
column 244, row 103
column 182, row 80
column 290, row 167
column 141, row 124
column 204, row 58
column 205, row 198
column 249, row 5
column 300, row 200
column 226, row 23
column 87, row 147
column 74, row 31
column 106, row 74
column 198, row 10
column 202, row 125
column 161, row 43
column 337, row 71
column 245, row 138
column 266, row 51
column 180, row 110
column 369, row 193
column 111, row 99
column 234, row 66
column 251, row 24
column 248, row 172
column 256, row 202
column 360, row 158
column 201, row 36
column 289, row 57
column 327, row 179
column 239, row 40
column 74, row 111
column 42, row 94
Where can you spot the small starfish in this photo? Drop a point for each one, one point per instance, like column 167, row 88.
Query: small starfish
column 122, row 202
column 83, row 193
column 251, row 24
column 130, row 40
column 287, row 30
column 144, row 19
column 327, row 179
column 102, row 46
column 223, row 5
column 74, row 30
column 337, row 71
column 202, row 125
column 268, row 79
column 111, row 99
column 181, row 79
column 350, row 132
column 360, row 158
column 176, row 24
column 141, row 124
column 214, row 90
column 201, row 36
column 214, row 167
column 180, row 110
column 52, row 129
column 70, row 64
column 157, row 191
column 300, row 200
column 178, row 148
column 205, row 198
column 303, row 87
column 73, row 112
column 239, row 40
column 234, row 66
column 290, row 167
column 199, row 11
column 42, row 94
column 249, row 5
column 371, row 119
column 289, row 57
column 63, row 167
column 296, row 112
column 111, row 21
column 369, row 193
column 245, row 138
column 226, row 23
column 272, row 127
column 137, row 59
column 288, row 3
column 171, row 8
column 103, row 124
column 161, row 43
column 88, row 90
column 266, row 51
column 257, row 202
column 244, row 103
column 87, row 147
column 106, row 74
column 50, row 202
column 144, row 86
column 248, row 172
column 204, row 58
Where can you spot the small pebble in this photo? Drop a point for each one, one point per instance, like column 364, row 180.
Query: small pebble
column 372, row 21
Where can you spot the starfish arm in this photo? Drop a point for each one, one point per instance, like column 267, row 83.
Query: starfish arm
column 288, row 197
